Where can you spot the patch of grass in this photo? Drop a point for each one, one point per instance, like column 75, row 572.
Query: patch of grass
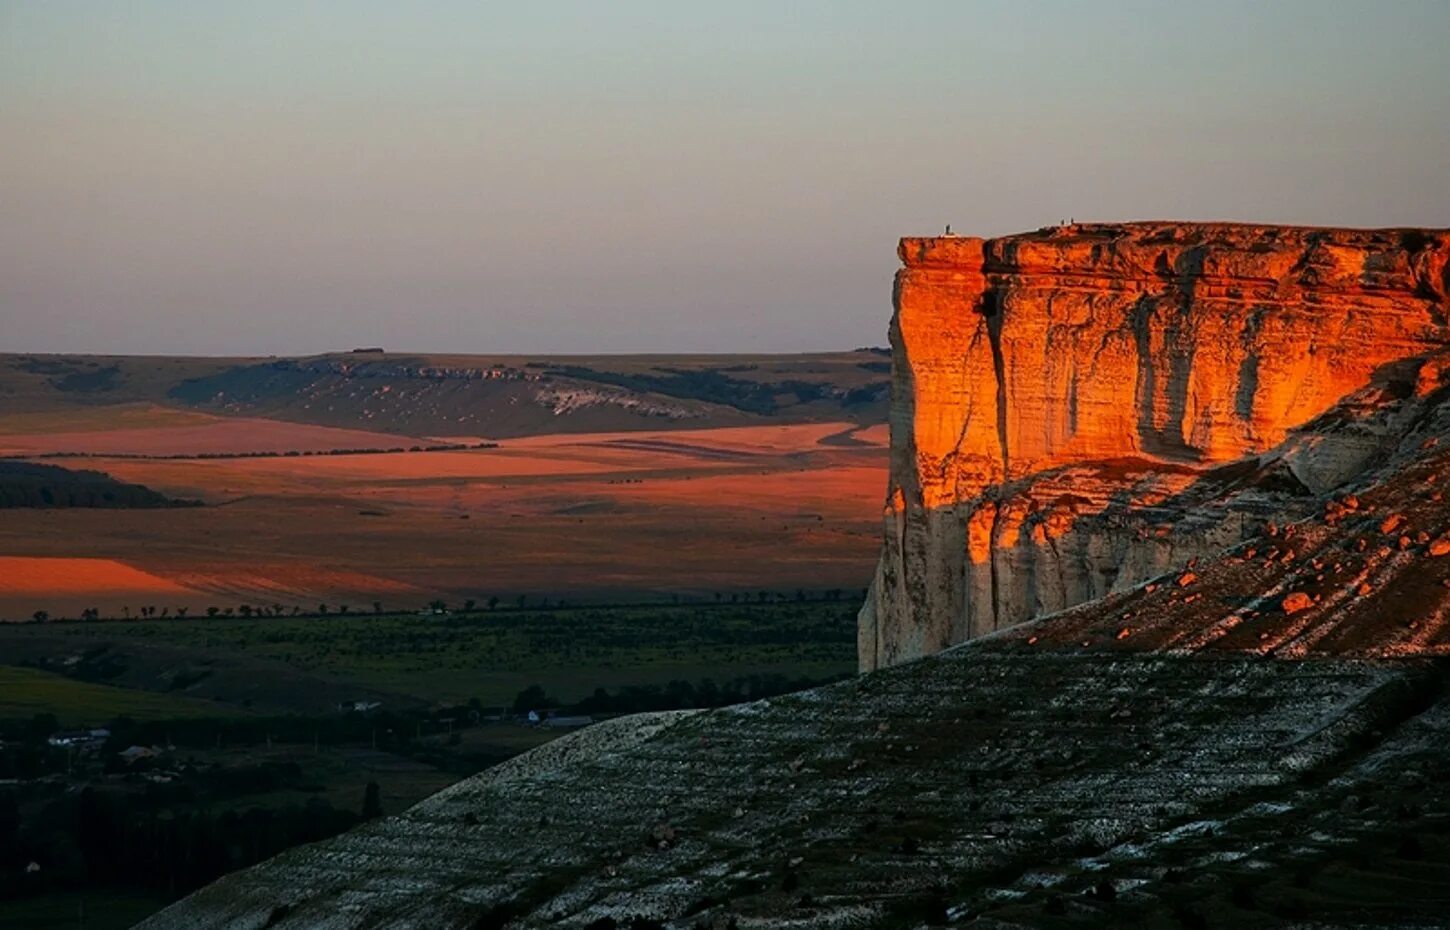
column 492, row 655
column 99, row 418
column 25, row 692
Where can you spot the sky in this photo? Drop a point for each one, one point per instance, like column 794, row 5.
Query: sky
column 676, row 176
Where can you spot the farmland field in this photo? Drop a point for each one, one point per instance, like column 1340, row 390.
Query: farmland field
column 584, row 516
column 25, row 692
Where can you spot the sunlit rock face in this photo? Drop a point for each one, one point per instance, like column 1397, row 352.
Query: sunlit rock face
column 1081, row 408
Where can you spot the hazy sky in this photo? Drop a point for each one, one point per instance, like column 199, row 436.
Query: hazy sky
column 252, row 177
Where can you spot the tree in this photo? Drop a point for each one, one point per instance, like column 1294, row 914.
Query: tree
column 377, row 607
column 41, row 616
column 9, row 818
column 437, row 607
column 533, row 698
column 492, row 602
column 372, row 807
column 41, row 727
column 469, row 604
column 213, row 611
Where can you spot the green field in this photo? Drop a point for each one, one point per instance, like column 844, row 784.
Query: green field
column 451, row 658
column 25, row 692
column 257, row 747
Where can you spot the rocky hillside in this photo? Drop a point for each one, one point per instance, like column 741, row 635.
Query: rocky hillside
column 471, row 396
column 1081, row 408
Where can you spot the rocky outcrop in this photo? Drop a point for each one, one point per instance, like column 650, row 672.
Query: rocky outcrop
column 1082, row 408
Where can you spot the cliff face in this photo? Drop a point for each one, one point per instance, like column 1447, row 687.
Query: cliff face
column 1078, row 409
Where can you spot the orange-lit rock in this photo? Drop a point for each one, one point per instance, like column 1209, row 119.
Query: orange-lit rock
column 1296, row 602
column 1078, row 409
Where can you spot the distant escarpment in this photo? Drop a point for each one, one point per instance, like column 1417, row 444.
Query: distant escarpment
column 1082, row 408
column 513, row 396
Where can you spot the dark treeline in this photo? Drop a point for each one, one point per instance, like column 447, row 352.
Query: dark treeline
column 288, row 454
column 141, row 839
column 470, row 610
column 119, row 827
column 26, row 484
column 388, row 729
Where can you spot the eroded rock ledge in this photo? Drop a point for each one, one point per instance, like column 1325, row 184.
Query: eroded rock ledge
column 1081, row 408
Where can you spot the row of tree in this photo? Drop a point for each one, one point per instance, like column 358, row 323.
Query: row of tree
column 438, row 606
column 289, row 453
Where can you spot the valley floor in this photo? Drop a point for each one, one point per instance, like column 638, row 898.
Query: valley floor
column 141, row 759
column 618, row 516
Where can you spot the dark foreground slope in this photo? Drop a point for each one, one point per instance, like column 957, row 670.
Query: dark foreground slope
column 1025, row 789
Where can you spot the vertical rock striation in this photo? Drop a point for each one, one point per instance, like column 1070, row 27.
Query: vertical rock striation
column 1079, row 409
